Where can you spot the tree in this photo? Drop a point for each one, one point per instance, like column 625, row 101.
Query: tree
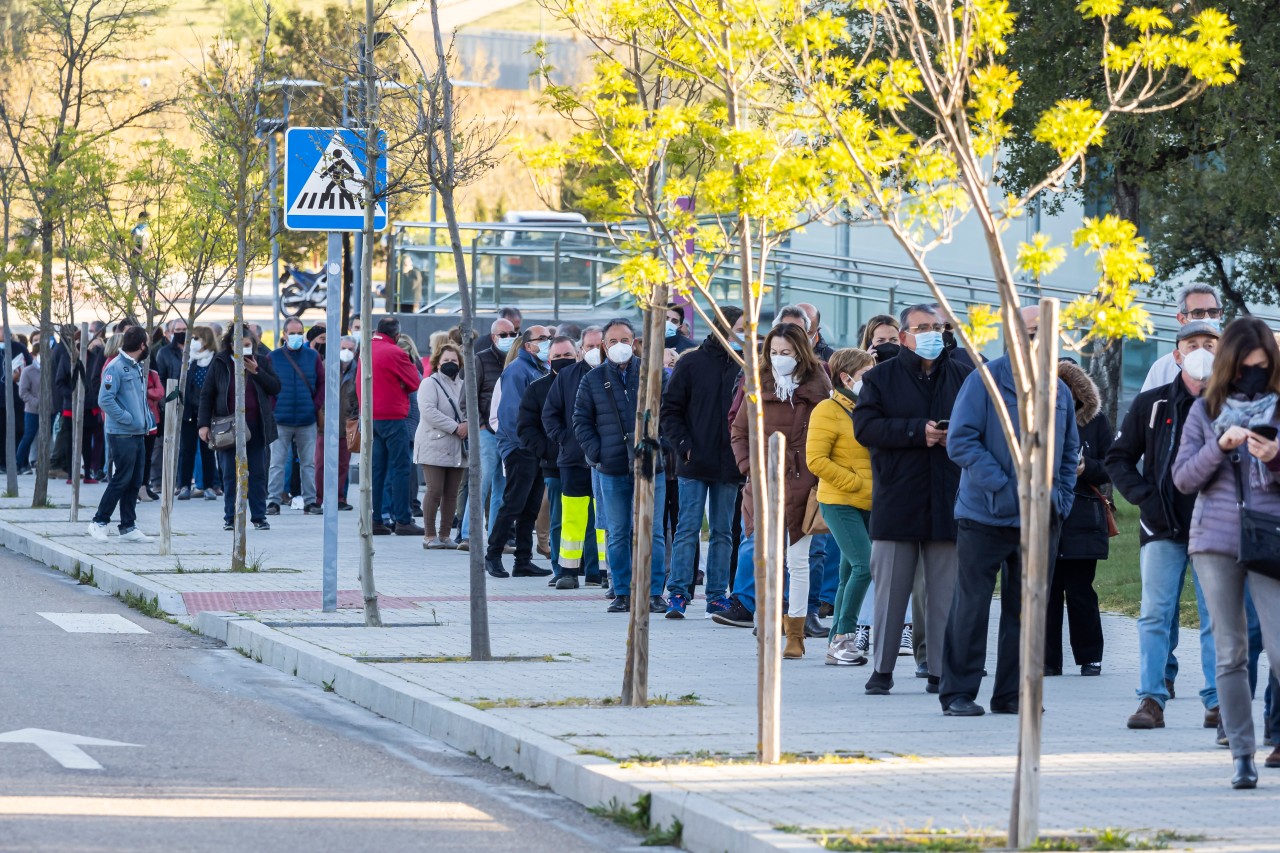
column 58, row 103
column 224, row 110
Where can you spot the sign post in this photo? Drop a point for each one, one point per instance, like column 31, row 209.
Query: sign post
column 324, row 178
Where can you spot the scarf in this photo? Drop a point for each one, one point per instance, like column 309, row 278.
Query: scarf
column 1238, row 411
column 784, row 386
column 202, row 359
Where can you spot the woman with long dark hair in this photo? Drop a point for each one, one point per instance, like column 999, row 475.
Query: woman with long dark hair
column 1228, row 449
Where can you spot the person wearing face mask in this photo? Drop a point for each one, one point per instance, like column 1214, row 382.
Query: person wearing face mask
column 604, row 418
column 165, row 356
column 440, row 445
column 880, row 337
column 988, row 540
column 394, row 378
column 301, row 373
column 522, row 496
column 316, row 339
column 674, row 339
column 489, row 362
column 200, row 352
column 843, row 468
column 1196, row 302
column 1229, row 460
column 532, row 430
column 1140, row 464
column 349, row 411
column 902, row 417
column 695, row 419
column 579, row 511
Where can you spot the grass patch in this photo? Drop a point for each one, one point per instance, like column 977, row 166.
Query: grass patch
column 637, row 818
column 484, row 703
column 454, row 659
column 142, row 604
column 706, row 758
column 943, row 841
column 1119, row 581
column 599, row 753
column 252, row 564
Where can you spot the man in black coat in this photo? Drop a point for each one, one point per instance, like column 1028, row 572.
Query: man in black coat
column 166, row 361
column 489, row 362
column 532, row 431
column 577, row 506
column 902, row 416
column 65, row 348
column 695, row 419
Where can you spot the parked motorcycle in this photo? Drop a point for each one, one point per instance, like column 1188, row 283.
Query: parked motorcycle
column 305, row 290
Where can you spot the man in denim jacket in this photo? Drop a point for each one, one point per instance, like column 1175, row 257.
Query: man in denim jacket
column 123, row 400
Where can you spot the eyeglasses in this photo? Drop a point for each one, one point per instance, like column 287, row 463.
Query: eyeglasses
column 926, row 327
column 506, row 334
column 1204, row 313
column 539, row 339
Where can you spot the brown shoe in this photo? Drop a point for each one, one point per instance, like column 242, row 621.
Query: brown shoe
column 793, row 630
column 1211, row 717
column 1273, row 760
column 1148, row 716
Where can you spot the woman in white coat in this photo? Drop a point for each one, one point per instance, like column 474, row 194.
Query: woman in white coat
column 440, row 443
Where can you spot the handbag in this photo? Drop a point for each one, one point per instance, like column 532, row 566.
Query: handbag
column 1259, row 532
column 222, row 433
column 353, row 435
column 814, row 523
column 1112, row 528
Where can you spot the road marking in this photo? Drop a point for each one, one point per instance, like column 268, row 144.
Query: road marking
column 62, row 747
column 223, row 809
column 94, row 623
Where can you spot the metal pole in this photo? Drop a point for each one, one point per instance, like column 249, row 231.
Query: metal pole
column 555, row 292
column 357, row 270
column 273, row 197
column 333, row 425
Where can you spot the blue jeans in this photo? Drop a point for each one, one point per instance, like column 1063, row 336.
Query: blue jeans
column 744, row 576
column 256, row 454
column 1164, row 567
column 694, row 497
column 553, row 495
column 492, row 482
column 824, row 570
column 391, row 460
column 618, row 492
column 30, row 427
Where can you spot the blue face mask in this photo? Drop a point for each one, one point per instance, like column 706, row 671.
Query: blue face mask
column 672, row 329
column 929, row 345
column 503, row 344
column 295, row 341
column 544, row 351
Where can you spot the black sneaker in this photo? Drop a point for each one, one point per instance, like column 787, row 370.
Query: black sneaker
column 879, row 684
column 343, row 506
column 621, row 604
column 933, row 685
column 313, row 509
column 529, row 570
column 736, row 616
column 273, row 509
column 964, row 707
column 567, row 582
column 922, row 670
column 228, row 526
column 261, row 525
column 380, row 529
column 658, row 604
column 495, row 569
column 1007, row 707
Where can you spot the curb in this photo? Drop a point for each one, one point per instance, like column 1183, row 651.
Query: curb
column 589, row 780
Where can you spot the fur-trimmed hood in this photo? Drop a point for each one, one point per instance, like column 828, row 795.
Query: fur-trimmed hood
column 1083, row 389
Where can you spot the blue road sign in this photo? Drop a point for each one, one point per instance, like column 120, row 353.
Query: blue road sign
column 324, row 179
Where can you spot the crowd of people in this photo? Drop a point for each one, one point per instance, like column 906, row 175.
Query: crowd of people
column 901, row 498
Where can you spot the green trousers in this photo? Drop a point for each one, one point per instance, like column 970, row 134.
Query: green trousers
column 849, row 527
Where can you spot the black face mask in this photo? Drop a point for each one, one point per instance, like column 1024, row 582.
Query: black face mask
column 886, row 351
column 1252, row 381
column 142, row 356
column 559, row 364
column 179, row 338
column 450, row 369
column 948, row 339
column 319, row 348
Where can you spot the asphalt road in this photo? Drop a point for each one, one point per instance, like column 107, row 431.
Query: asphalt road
column 230, row 755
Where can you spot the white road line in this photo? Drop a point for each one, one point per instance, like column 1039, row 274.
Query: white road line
column 94, row 623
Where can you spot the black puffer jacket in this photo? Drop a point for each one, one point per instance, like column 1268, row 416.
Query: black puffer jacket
column 695, row 413
column 532, row 431
column 489, row 363
column 1150, row 434
column 264, row 383
column 1084, row 532
column 914, row 486
column 557, row 415
column 604, row 418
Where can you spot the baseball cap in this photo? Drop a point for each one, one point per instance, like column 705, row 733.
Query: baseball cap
column 1199, row 327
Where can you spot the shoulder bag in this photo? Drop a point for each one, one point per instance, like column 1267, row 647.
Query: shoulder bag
column 222, row 429
column 457, row 416
column 1112, row 528
column 1259, row 532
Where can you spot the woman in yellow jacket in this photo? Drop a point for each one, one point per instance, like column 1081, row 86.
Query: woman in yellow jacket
column 843, row 469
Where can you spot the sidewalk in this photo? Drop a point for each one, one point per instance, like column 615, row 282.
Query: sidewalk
column 542, row 712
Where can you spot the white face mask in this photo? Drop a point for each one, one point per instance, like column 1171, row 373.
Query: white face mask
column 247, row 351
column 783, row 365
column 346, row 356
column 620, row 353
column 196, row 347
column 1198, row 364
column 592, row 357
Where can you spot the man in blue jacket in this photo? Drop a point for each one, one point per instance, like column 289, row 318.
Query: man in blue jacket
column 123, row 400
column 989, row 535
column 298, row 367
column 604, row 417
column 522, row 495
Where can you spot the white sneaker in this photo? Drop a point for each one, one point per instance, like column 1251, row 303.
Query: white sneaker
column 98, row 531
column 905, row 647
column 135, row 535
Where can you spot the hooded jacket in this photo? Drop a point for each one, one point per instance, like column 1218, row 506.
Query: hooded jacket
column 695, row 413
column 1084, row 531
column 988, row 491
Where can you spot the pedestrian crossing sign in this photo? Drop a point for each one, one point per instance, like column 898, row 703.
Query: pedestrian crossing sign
column 324, row 180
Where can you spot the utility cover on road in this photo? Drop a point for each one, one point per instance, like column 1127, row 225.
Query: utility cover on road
column 325, row 182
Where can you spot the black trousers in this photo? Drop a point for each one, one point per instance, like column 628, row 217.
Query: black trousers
column 521, row 501
column 1073, row 586
column 189, row 440
column 126, row 480
column 60, row 460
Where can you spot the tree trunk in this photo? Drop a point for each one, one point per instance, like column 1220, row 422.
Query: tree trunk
column 771, row 530
column 10, row 443
column 239, row 545
column 172, row 414
column 40, row 491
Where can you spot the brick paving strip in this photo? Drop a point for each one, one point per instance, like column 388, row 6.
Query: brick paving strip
column 547, row 707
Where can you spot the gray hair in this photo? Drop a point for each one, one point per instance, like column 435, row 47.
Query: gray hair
column 588, row 330
column 918, row 308
column 349, row 339
column 1191, row 289
column 792, row 311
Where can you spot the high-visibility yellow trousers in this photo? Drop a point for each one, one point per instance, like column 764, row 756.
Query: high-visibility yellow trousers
column 576, row 521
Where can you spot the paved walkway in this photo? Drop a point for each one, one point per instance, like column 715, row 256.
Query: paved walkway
column 925, row 770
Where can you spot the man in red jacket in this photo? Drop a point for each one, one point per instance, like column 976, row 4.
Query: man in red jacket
column 394, row 379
